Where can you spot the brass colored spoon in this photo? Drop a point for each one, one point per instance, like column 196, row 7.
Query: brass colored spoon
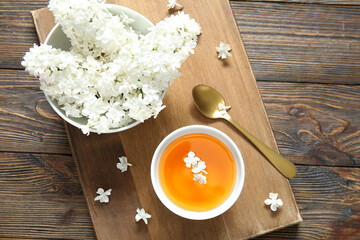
column 207, row 100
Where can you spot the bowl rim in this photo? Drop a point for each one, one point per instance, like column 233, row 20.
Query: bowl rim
column 63, row 115
column 239, row 182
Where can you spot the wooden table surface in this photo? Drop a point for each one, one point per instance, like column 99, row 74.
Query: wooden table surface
column 306, row 58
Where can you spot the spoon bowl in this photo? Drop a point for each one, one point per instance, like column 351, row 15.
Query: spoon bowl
column 207, row 100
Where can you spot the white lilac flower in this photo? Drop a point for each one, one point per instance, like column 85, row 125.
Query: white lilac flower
column 85, row 130
column 173, row 4
column 103, row 195
column 191, row 159
column 223, row 50
column 71, row 109
column 125, row 19
column 112, row 76
column 200, row 177
column 273, row 201
column 223, row 109
column 197, row 167
column 141, row 214
column 123, row 164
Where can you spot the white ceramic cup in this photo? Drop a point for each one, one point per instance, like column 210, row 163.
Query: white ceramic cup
column 239, row 182
column 58, row 39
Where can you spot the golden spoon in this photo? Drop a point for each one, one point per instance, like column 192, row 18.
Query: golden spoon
column 207, row 100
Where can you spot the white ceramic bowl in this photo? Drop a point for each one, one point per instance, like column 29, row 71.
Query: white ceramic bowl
column 58, row 39
column 239, row 183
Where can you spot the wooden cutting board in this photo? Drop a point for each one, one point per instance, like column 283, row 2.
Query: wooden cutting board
column 96, row 156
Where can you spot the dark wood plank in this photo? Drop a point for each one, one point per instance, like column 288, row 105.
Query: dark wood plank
column 27, row 122
column 315, row 124
column 301, row 42
column 17, row 30
column 286, row 42
column 41, row 196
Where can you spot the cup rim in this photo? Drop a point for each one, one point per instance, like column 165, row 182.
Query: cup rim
column 53, row 103
column 239, row 182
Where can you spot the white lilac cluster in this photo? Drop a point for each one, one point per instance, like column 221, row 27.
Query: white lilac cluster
column 112, row 76
column 92, row 29
column 197, row 167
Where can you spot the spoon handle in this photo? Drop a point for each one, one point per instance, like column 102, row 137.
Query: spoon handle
column 284, row 166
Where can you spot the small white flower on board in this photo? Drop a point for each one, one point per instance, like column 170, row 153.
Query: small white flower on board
column 223, row 50
column 123, row 164
column 141, row 214
column 273, row 201
column 103, row 195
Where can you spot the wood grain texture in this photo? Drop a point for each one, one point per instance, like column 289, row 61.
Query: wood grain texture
column 17, row 30
column 301, row 42
column 164, row 225
column 287, row 42
column 41, row 196
column 27, row 122
column 329, row 201
column 47, row 188
column 315, row 124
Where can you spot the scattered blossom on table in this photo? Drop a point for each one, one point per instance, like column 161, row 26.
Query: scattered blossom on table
column 123, row 164
column 112, row 75
column 103, row 195
column 223, row 50
column 273, row 201
column 141, row 214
